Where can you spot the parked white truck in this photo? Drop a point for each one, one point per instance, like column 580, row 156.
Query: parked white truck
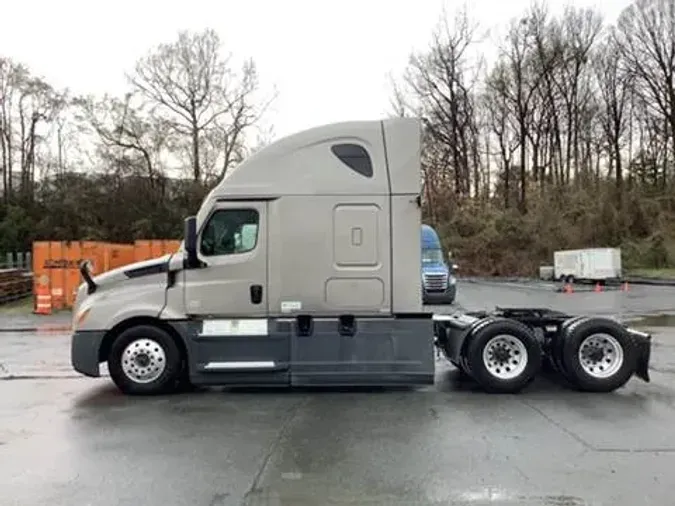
column 302, row 267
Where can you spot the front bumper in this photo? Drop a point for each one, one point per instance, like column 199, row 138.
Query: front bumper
column 85, row 349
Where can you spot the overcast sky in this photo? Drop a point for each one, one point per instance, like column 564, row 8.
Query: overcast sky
column 329, row 60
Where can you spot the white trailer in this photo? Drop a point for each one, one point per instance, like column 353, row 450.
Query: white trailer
column 590, row 264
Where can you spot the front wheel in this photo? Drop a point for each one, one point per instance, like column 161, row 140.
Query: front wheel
column 504, row 356
column 145, row 360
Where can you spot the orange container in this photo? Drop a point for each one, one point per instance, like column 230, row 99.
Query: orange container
column 56, row 266
column 118, row 255
column 73, row 254
column 145, row 250
column 171, row 245
column 56, row 263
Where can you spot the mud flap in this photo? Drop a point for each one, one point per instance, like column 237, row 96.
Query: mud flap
column 643, row 343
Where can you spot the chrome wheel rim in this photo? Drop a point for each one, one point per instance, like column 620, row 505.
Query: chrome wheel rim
column 600, row 355
column 143, row 360
column 505, row 357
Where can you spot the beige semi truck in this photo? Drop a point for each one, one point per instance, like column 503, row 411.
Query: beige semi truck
column 302, row 267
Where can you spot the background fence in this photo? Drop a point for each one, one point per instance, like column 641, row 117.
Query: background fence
column 15, row 276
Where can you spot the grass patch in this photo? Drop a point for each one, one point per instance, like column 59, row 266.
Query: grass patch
column 665, row 273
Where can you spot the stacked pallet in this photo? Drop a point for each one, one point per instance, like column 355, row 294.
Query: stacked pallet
column 15, row 284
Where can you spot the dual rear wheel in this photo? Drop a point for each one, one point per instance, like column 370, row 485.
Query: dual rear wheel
column 595, row 354
column 592, row 354
column 503, row 356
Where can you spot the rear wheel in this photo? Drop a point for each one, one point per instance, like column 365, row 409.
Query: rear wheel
column 598, row 355
column 504, row 356
column 557, row 348
column 145, row 360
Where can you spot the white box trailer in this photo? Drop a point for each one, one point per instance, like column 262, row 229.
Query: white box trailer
column 590, row 264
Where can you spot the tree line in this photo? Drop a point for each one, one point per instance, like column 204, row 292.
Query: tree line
column 118, row 168
column 566, row 140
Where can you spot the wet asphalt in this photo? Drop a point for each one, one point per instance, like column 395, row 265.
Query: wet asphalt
column 76, row 441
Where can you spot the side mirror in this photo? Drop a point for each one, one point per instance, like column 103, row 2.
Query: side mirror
column 190, row 237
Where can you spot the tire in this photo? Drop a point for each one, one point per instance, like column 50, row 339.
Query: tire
column 461, row 374
column 557, row 349
column 157, row 363
column 610, row 354
column 524, row 352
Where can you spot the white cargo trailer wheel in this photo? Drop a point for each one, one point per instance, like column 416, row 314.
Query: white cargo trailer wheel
column 145, row 360
column 598, row 354
column 503, row 355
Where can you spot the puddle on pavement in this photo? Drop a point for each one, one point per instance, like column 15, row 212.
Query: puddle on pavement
column 659, row 320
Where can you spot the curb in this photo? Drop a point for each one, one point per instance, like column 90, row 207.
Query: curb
column 46, row 328
column 651, row 282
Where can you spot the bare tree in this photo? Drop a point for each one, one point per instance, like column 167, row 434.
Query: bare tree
column 442, row 85
column 193, row 84
column 28, row 105
column 13, row 77
column 614, row 88
column 645, row 34
column 580, row 29
column 546, row 36
column 502, row 124
column 128, row 133
column 518, row 84
column 38, row 105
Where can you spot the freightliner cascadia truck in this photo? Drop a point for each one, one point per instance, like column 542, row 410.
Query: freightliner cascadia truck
column 439, row 284
column 302, row 267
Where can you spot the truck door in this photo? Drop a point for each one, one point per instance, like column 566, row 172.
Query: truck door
column 228, row 299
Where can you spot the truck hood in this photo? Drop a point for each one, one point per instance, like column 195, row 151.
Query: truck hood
column 129, row 271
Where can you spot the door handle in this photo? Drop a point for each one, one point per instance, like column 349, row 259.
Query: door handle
column 256, row 294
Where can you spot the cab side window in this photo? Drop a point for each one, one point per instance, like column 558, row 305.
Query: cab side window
column 230, row 231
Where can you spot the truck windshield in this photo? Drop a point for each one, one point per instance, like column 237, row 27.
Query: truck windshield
column 432, row 256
